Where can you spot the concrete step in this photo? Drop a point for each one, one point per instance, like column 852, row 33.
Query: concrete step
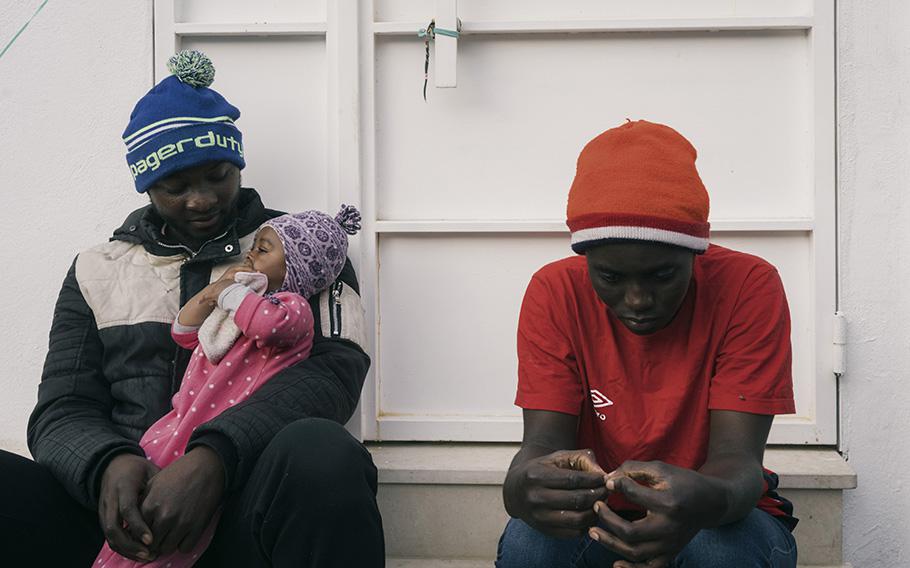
column 443, row 563
column 435, row 563
column 442, row 503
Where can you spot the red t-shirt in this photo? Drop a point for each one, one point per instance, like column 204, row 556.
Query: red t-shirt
column 648, row 397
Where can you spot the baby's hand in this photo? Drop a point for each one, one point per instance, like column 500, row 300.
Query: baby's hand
column 232, row 271
column 209, row 294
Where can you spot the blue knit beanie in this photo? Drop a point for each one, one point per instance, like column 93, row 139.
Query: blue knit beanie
column 181, row 123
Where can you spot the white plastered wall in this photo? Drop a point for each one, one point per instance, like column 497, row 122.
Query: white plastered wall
column 67, row 86
column 874, row 157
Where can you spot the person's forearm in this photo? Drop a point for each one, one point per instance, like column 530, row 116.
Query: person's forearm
column 209, row 459
column 203, row 303
column 195, row 311
column 739, row 481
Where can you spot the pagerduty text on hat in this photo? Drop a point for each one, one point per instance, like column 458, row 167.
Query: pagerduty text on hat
column 153, row 160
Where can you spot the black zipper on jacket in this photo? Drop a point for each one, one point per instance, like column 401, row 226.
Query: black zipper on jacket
column 192, row 253
column 335, row 309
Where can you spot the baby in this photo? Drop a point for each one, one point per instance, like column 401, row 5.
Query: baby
column 243, row 329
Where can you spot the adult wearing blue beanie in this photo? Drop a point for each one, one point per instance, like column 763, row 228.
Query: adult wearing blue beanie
column 181, row 123
column 293, row 487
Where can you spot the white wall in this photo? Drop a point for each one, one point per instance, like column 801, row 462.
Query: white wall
column 873, row 88
column 67, row 87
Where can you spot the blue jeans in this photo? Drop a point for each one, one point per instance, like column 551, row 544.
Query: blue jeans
column 756, row 541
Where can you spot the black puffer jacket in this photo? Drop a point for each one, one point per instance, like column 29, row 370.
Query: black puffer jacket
column 112, row 366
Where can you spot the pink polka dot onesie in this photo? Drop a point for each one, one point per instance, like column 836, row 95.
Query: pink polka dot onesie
column 276, row 332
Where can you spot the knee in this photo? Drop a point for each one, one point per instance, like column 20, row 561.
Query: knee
column 513, row 545
column 712, row 549
column 747, row 544
column 322, row 461
column 521, row 546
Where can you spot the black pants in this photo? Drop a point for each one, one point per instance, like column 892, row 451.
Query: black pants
column 310, row 501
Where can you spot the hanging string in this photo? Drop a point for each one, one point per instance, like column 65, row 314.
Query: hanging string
column 427, row 34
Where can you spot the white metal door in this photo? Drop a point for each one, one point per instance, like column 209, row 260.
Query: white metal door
column 464, row 195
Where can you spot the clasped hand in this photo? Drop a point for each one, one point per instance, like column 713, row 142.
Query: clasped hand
column 678, row 503
column 565, row 496
column 556, row 493
column 147, row 512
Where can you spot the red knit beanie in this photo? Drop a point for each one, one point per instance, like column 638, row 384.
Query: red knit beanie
column 638, row 181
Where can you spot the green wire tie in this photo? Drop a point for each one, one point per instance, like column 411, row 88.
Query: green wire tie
column 441, row 31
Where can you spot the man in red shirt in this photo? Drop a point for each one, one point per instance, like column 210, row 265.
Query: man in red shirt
column 650, row 370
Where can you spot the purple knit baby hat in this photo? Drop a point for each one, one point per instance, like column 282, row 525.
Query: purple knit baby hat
column 315, row 247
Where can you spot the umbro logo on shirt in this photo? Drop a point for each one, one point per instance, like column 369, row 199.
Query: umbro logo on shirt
column 600, row 401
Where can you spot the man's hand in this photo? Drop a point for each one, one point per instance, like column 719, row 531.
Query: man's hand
column 679, row 502
column 182, row 499
column 555, row 493
column 124, row 526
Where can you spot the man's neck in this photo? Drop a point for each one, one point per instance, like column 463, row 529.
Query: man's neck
column 172, row 236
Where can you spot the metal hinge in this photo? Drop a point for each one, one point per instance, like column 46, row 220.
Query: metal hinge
column 839, row 360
